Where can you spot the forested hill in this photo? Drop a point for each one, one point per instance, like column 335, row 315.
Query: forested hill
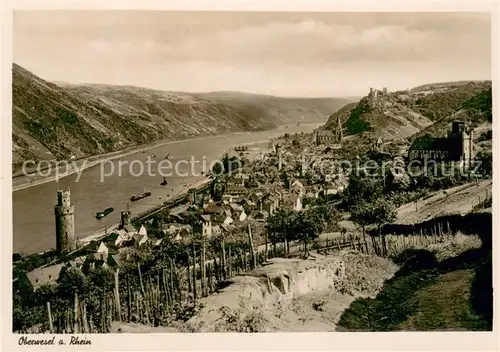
column 401, row 115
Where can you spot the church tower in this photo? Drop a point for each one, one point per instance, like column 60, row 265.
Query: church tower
column 467, row 146
column 65, row 222
column 340, row 136
column 463, row 143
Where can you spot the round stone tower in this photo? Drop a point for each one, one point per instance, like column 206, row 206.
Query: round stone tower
column 65, row 222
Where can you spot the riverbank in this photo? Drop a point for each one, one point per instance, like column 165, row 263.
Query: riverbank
column 25, row 181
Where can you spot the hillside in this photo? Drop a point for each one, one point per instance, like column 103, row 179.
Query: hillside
column 57, row 121
column 385, row 116
column 456, row 200
column 405, row 114
column 281, row 109
column 472, row 102
column 443, row 86
column 344, row 113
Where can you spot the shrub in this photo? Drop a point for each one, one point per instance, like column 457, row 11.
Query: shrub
column 415, row 259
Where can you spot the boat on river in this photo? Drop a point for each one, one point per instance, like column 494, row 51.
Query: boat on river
column 101, row 214
column 137, row 197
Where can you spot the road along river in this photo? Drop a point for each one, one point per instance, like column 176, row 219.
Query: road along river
column 99, row 187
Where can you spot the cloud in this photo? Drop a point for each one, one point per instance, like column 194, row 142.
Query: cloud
column 268, row 51
column 306, row 42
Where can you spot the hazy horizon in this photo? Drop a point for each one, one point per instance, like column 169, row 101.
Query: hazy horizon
column 288, row 54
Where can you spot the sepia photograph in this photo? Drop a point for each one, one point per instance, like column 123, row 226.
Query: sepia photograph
column 250, row 172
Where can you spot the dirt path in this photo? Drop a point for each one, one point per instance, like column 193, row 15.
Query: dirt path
column 460, row 199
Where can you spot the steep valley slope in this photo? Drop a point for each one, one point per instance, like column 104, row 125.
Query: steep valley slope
column 58, row 121
column 404, row 115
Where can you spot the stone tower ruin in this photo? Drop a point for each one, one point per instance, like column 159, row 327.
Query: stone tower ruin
column 65, row 222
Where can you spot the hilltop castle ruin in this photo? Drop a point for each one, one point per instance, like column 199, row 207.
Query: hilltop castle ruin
column 375, row 93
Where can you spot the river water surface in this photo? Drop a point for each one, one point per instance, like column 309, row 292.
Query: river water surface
column 33, row 207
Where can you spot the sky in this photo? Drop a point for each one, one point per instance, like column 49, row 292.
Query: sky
column 277, row 53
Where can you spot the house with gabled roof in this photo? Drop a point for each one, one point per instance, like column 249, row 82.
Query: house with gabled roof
column 432, row 148
column 222, row 219
column 111, row 261
column 47, row 275
column 235, row 190
column 230, row 198
column 140, row 239
column 159, row 242
column 238, row 212
column 242, row 178
column 338, row 185
column 215, row 209
column 77, row 262
column 269, row 203
column 129, row 228
column 276, row 192
column 101, row 251
column 250, row 204
column 260, row 215
column 217, row 230
column 177, row 232
column 226, row 228
column 255, row 196
column 118, row 239
column 293, row 200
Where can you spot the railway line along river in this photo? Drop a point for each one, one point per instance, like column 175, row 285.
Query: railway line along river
column 110, row 185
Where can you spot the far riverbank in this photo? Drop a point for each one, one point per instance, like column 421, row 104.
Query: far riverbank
column 25, row 181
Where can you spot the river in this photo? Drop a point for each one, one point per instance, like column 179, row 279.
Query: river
column 33, row 207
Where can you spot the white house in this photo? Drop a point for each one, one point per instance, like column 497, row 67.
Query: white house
column 44, row 276
column 228, row 220
column 238, row 212
column 101, row 252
